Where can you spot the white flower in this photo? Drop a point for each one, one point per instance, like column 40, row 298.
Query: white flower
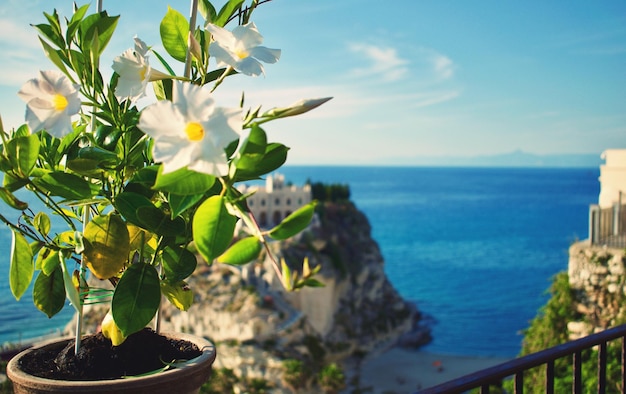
column 135, row 72
column 190, row 131
column 241, row 49
column 51, row 100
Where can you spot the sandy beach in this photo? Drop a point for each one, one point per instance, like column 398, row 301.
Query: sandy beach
column 403, row 371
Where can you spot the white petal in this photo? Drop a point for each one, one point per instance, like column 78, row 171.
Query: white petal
column 223, row 54
column 140, row 46
column 248, row 35
column 221, row 35
column 174, row 155
column 264, row 54
column 161, row 119
column 218, row 165
column 249, row 66
column 224, row 126
column 193, row 102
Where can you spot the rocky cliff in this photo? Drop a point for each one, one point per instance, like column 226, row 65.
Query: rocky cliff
column 256, row 325
column 597, row 275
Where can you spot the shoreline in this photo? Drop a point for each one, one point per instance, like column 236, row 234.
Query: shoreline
column 401, row 370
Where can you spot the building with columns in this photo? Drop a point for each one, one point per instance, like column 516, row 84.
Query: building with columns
column 273, row 202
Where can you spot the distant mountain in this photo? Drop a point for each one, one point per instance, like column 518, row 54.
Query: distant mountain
column 517, row 158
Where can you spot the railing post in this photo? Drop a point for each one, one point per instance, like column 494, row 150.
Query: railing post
column 550, row 377
column 616, row 217
column 519, row 382
column 577, row 372
column 623, row 364
column 594, row 223
column 602, row 368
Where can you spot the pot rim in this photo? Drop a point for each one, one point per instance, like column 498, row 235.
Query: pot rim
column 16, row 375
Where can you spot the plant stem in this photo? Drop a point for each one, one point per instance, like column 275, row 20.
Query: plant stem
column 83, row 269
column 192, row 26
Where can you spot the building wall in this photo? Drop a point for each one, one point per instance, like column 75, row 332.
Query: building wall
column 273, row 202
column 612, row 178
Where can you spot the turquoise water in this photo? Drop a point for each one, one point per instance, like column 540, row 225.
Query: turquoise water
column 474, row 248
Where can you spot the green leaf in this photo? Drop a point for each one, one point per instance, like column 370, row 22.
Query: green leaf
column 155, row 220
column 66, row 185
column 178, row 263
column 183, row 182
column 207, row 10
column 174, row 31
column 179, row 294
column 97, row 26
column 86, row 167
column 68, row 140
column 294, row 223
column 22, row 153
column 241, row 252
column 179, row 204
column 253, row 150
column 310, row 283
column 275, row 156
column 49, row 292
column 70, row 291
column 227, row 11
column 53, row 55
column 74, row 23
column 136, row 298
column 11, row 200
column 103, row 157
column 21, row 269
column 213, row 228
column 146, row 175
column 287, row 275
column 47, row 260
column 128, row 204
column 48, row 32
column 42, row 223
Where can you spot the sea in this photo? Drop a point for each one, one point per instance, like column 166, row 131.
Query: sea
column 475, row 248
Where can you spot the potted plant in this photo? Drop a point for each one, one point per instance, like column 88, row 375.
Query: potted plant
column 131, row 194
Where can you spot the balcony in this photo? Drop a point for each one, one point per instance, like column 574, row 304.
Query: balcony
column 492, row 377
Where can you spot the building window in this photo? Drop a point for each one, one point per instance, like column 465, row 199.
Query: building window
column 276, row 219
column 250, row 203
column 288, row 201
column 277, row 201
column 299, row 201
column 263, row 202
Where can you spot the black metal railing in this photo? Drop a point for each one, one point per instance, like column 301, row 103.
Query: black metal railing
column 607, row 226
column 516, row 368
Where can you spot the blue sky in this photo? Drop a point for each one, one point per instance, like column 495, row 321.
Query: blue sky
column 410, row 79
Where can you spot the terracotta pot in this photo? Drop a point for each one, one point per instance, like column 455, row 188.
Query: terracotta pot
column 186, row 379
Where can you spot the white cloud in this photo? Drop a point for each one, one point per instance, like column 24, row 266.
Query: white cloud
column 383, row 62
column 442, row 66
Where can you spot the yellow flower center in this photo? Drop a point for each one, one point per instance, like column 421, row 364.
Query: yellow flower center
column 59, row 102
column 194, row 131
column 142, row 73
column 242, row 53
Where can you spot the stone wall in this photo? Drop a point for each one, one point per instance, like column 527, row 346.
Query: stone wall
column 597, row 275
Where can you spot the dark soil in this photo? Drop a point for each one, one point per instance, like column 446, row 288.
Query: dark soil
column 97, row 359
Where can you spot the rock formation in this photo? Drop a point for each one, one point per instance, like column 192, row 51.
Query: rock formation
column 597, row 274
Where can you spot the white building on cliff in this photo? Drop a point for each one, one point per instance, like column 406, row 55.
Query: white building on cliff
column 607, row 219
column 273, row 202
column 613, row 178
